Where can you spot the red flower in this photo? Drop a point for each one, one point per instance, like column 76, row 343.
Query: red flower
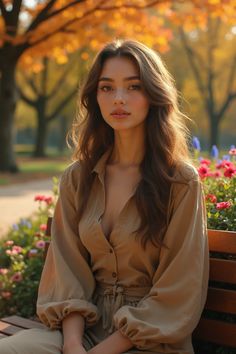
column 48, row 200
column 225, row 164
column 217, row 174
column 43, row 198
column 230, row 172
column 39, row 198
column 43, row 227
column 223, row 205
column 203, row 171
column 211, row 197
column 205, row 162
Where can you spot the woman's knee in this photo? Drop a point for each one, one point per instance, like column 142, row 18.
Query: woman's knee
column 33, row 341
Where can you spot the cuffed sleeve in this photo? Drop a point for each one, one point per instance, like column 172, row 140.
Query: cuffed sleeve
column 172, row 308
column 67, row 282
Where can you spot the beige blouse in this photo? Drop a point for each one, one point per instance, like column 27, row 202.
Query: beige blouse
column 153, row 296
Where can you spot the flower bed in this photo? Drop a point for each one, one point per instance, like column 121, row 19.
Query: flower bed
column 21, row 259
column 219, row 183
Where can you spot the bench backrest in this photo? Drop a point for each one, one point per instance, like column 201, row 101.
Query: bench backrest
column 217, row 324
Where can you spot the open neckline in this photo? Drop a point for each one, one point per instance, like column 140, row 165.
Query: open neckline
column 108, row 237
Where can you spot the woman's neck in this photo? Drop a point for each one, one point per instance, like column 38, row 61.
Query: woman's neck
column 128, row 149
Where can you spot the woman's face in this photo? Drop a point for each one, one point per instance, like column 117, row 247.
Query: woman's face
column 120, row 95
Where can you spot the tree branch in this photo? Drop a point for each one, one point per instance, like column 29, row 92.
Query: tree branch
column 25, row 98
column 16, row 11
column 41, row 16
column 138, row 7
column 62, row 28
column 62, row 105
column 196, row 72
column 232, row 71
column 61, row 79
column 29, row 81
column 3, row 10
column 225, row 105
column 44, row 15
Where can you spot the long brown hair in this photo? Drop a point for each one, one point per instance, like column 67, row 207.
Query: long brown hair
column 166, row 135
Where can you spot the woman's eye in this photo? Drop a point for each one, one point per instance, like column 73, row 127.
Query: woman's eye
column 105, row 88
column 134, row 87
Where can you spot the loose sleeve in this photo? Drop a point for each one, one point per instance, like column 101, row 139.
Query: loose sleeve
column 172, row 308
column 67, row 283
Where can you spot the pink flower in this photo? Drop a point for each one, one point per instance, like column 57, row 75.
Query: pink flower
column 9, row 243
column 205, row 162
column 6, row 294
column 211, row 197
column 232, row 152
column 17, row 277
column 3, row 271
column 223, row 205
column 230, row 172
column 15, row 250
column 43, row 227
column 203, row 171
column 40, row 244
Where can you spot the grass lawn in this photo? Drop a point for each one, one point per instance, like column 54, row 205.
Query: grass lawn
column 32, row 169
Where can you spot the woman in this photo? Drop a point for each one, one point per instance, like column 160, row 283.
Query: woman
column 127, row 268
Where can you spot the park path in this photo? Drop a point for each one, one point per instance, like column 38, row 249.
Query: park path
column 17, row 201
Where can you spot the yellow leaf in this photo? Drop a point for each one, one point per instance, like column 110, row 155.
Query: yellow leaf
column 84, row 56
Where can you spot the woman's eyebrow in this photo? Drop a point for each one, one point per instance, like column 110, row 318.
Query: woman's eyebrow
column 125, row 79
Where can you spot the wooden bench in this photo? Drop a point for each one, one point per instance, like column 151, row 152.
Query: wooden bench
column 218, row 323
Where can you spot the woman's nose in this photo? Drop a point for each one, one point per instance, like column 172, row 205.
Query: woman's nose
column 119, row 97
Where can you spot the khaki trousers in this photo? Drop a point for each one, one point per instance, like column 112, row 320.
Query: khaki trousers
column 37, row 341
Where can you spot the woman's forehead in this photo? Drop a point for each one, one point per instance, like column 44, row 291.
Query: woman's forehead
column 119, row 67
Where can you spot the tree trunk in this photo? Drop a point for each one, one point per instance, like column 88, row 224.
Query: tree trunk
column 7, row 108
column 41, row 134
column 62, row 133
column 214, row 130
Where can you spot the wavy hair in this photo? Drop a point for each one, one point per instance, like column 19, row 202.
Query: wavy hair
column 166, row 136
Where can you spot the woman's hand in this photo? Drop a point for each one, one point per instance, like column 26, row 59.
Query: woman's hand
column 116, row 343
column 74, row 349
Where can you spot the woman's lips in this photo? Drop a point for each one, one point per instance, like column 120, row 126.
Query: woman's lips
column 120, row 114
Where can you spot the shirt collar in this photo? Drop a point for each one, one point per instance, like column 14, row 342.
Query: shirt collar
column 100, row 166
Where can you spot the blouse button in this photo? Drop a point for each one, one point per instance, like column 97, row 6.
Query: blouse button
column 114, row 274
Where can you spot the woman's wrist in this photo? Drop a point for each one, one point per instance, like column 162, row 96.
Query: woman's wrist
column 72, row 340
column 73, row 329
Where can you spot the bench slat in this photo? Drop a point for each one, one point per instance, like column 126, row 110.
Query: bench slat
column 218, row 332
column 22, row 322
column 221, row 300
column 223, row 270
column 222, row 241
column 8, row 329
